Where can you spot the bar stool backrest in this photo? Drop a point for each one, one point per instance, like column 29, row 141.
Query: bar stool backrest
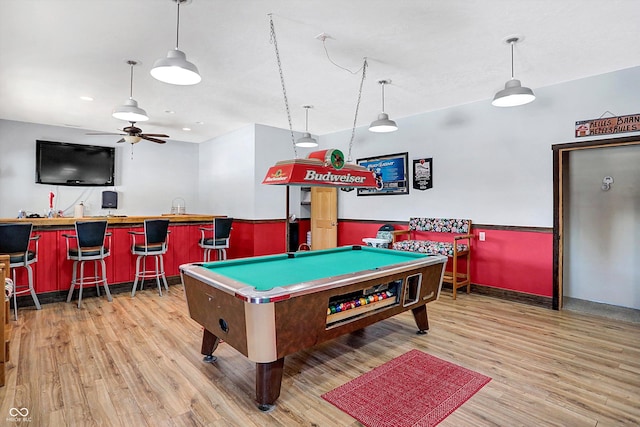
column 91, row 233
column 14, row 238
column 222, row 227
column 155, row 231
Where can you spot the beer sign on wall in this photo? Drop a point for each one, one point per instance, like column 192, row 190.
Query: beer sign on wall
column 608, row 125
column 321, row 168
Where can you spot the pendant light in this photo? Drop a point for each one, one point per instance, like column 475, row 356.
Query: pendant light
column 130, row 110
column 514, row 93
column 306, row 141
column 383, row 124
column 175, row 69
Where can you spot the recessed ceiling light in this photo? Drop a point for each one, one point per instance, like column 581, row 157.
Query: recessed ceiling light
column 86, row 98
column 199, row 123
column 169, row 111
column 187, row 129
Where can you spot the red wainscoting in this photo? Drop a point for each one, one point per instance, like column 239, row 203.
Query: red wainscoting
column 255, row 238
column 515, row 260
column 182, row 249
column 52, row 272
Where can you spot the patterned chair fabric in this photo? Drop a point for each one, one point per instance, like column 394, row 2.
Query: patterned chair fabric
column 386, row 233
column 430, row 247
column 442, row 225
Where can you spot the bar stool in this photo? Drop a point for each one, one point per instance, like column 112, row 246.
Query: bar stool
column 156, row 241
column 88, row 244
column 15, row 241
column 218, row 240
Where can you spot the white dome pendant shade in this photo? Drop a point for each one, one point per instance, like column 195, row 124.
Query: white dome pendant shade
column 383, row 124
column 513, row 94
column 306, row 141
column 130, row 111
column 175, row 69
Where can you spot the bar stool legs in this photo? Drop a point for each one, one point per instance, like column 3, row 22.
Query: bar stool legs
column 95, row 279
column 158, row 273
column 32, row 291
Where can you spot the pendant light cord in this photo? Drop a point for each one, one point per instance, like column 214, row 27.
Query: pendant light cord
column 355, row 117
column 324, row 44
column 274, row 41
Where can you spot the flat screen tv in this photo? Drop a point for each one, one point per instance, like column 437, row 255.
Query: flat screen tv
column 61, row 163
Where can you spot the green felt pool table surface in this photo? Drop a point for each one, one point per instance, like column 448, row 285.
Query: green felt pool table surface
column 267, row 272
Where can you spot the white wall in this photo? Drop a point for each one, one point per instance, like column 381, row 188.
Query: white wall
column 226, row 174
column 492, row 165
column 603, row 235
column 233, row 166
column 273, row 145
column 146, row 184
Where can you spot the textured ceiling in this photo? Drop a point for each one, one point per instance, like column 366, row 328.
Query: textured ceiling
column 437, row 53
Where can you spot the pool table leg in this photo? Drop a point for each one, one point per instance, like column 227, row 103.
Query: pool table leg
column 422, row 321
column 209, row 345
column 268, row 382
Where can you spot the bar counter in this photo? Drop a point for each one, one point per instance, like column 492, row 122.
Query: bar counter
column 53, row 270
column 112, row 220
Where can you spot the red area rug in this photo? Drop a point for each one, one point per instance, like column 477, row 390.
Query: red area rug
column 414, row 389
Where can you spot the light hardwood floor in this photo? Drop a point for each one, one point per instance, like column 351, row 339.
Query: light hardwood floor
column 136, row 362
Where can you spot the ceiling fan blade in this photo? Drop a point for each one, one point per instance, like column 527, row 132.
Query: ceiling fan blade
column 121, row 140
column 103, row 133
column 161, row 135
column 148, row 138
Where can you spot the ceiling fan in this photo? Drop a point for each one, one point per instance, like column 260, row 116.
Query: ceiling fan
column 133, row 135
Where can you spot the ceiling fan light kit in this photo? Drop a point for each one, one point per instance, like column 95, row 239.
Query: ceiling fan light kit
column 132, row 139
column 175, row 69
column 513, row 94
column 383, row 124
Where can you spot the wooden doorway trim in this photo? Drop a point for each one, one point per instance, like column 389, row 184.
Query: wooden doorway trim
column 561, row 167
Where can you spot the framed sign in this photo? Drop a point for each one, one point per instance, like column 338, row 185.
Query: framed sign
column 391, row 174
column 423, row 174
column 608, row 125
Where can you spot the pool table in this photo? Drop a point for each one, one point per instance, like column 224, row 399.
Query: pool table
column 271, row 306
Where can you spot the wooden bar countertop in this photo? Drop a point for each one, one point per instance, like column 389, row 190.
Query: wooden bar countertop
column 112, row 220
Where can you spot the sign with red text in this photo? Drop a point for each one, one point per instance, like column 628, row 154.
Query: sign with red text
column 608, row 125
column 310, row 172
